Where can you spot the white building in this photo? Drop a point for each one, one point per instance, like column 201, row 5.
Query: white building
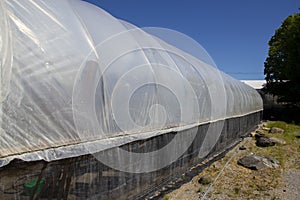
column 256, row 84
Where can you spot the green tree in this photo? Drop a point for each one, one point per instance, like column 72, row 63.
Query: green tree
column 282, row 66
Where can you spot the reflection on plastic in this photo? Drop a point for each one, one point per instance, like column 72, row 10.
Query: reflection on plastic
column 75, row 80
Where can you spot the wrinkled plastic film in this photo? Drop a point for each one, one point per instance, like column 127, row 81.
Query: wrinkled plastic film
column 67, row 65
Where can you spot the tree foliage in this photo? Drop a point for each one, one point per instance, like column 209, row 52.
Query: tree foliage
column 282, row 66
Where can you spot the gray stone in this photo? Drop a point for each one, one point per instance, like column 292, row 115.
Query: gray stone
column 266, row 129
column 278, row 140
column 264, row 141
column 205, row 180
column 258, row 131
column 258, row 135
column 252, row 134
column 276, row 130
column 297, row 133
column 256, row 162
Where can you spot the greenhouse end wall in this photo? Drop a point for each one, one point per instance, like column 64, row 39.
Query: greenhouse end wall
column 85, row 177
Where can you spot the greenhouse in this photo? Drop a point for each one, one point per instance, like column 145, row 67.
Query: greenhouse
column 94, row 107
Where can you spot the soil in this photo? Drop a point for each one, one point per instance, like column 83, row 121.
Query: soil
column 237, row 182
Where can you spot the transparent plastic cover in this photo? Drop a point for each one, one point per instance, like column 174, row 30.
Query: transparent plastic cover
column 72, row 74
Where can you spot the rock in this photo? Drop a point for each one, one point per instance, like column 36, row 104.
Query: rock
column 256, row 162
column 258, row 131
column 205, row 180
column 157, row 193
column 266, row 129
column 242, row 148
column 276, row 130
column 264, row 141
column 297, row 133
column 257, row 135
column 252, row 134
column 278, row 140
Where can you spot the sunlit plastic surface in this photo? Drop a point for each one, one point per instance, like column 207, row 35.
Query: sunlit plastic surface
column 66, row 64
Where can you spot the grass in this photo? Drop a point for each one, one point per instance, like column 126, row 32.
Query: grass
column 237, row 182
column 243, row 183
column 289, row 128
column 285, row 152
column 165, row 197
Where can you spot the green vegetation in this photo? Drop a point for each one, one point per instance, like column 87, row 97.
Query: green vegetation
column 282, row 66
column 243, row 183
column 289, row 128
column 237, row 182
column 165, row 197
column 284, row 153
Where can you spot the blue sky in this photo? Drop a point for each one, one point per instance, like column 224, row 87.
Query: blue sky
column 234, row 32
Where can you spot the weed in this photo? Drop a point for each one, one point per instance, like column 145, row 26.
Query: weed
column 165, row 197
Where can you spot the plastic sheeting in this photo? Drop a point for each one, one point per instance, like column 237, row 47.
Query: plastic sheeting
column 84, row 177
column 74, row 76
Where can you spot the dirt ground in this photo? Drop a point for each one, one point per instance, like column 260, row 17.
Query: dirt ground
column 237, row 182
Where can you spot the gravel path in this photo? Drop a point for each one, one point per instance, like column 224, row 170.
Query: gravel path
column 291, row 190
